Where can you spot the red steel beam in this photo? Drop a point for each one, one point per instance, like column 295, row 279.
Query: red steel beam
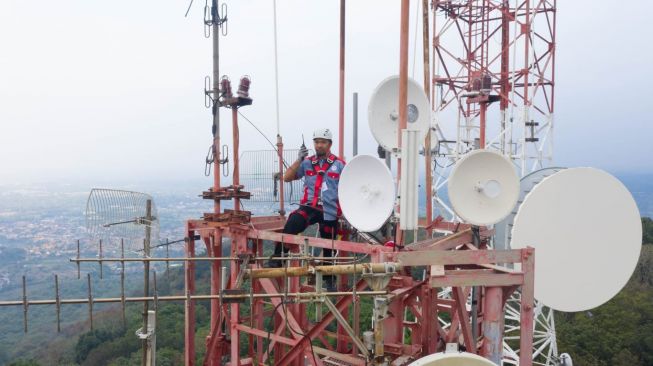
column 461, row 257
column 318, row 328
column 318, row 242
column 527, row 309
column 492, row 344
column 236, row 144
column 214, row 351
column 476, row 278
column 465, row 327
column 263, row 334
column 189, row 285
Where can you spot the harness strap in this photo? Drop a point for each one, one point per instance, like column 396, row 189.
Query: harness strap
column 320, row 171
column 302, row 213
column 329, row 230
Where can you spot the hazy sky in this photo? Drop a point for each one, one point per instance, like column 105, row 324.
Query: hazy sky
column 103, row 90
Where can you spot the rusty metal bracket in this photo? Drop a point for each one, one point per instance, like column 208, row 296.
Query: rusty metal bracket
column 229, row 216
column 226, row 193
column 227, row 299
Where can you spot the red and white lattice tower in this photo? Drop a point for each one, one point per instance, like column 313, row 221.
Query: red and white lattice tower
column 493, row 81
column 493, row 78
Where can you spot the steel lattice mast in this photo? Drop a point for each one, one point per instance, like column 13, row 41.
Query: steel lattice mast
column 493, row 83
column 493, row 78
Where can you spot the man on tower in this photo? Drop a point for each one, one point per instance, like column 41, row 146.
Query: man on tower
column 319, row 203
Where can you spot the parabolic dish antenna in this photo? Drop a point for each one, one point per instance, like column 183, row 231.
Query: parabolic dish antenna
column 452, row 359
column 483, row 187
column 587, row 234
column 503, row 229
column 366, row 193
column 383, row 111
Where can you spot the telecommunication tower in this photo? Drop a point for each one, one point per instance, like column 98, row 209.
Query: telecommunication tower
column 493, row 84
column 493, row 74
column 490, row 83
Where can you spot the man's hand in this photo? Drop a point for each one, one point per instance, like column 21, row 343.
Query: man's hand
column 303, row 153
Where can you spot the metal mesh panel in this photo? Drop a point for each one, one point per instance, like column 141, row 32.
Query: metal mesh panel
column 113, row 214
column 259, row 173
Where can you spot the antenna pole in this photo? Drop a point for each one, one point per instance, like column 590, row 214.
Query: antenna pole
column 189, row 353
column 276, row 65
column 403, row 90
column 282, row 210
column 428, row 176
column 216, row 100
column 236, row 148
column 483, row 112
column 355, row 132
column 146, row 279
column 341, row 110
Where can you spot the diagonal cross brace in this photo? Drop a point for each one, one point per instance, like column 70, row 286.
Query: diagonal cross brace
column 269, row 287
column 345, row 325
column 465, row 327
column 319, row 327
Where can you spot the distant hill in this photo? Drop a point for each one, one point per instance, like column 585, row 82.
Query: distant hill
column 618, row 333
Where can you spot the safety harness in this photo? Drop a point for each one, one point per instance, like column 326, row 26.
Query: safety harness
column 319, row 170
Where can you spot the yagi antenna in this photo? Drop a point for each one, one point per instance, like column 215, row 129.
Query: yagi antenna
column 366, row 192
column 587, row 234
column 383, row 116
column 483, row 187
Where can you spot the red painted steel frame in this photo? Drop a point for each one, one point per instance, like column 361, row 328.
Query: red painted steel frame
column 413, row 304
column 289, row 339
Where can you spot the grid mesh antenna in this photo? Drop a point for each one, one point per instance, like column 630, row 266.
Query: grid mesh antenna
column 112, row 215
column 259, row 173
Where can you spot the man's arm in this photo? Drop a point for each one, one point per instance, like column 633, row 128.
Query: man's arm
column 291, row 173
column 293, row 170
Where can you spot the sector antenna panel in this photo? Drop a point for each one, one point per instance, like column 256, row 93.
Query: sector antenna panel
column 366, row 193
column 586, row 231
column 483, row 187
column 383, row 112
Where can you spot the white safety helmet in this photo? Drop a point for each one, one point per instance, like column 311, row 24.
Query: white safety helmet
column 323, row 133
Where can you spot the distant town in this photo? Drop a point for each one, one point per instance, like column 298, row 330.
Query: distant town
column 40, row 225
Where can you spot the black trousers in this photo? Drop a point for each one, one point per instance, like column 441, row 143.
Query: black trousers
column 304, row 217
